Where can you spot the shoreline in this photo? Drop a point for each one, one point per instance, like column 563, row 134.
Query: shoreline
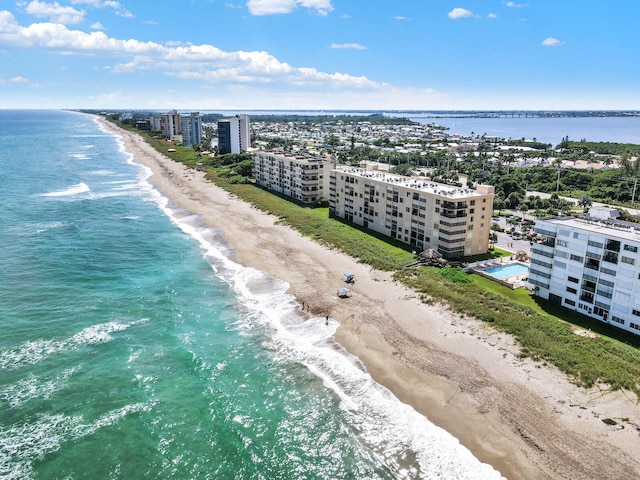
column 524, row 419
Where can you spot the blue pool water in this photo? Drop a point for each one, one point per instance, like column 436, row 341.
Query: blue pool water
column 506, row 271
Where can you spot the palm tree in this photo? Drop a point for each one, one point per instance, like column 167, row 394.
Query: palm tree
column 558, row 164
column 493, row 238
column 585, row 202
column 631, row 169
column 524, row 208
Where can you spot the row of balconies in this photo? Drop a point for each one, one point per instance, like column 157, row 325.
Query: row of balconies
column 453, row 213
column 453, row 205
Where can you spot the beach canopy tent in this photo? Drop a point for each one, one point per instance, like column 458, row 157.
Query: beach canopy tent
column 343, row 292
column 349, row 277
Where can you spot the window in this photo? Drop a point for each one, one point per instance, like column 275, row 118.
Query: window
column 601, row 312
column 576, row 258
column 628, row 260
column 573, row 279
column 473, row 202
column 572, row 290
column 636, row 312
column 569, row 302
column 562, row 243
column 617, row 319
column 630, row 248
column 633, row 325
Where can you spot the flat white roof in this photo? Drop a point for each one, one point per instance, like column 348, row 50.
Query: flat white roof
column 415, row 183
column 612, row 228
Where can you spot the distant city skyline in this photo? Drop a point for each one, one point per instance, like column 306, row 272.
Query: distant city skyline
column 320, row 55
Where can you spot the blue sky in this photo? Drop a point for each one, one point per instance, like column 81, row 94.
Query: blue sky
column 320, row 54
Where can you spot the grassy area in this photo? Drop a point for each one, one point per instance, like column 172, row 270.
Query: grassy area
column 545, row 331
column 543, row 334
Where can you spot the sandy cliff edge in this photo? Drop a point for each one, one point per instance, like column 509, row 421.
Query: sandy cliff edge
column 526, row 420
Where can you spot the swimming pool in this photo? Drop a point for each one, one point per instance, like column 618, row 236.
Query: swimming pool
column 505, row 271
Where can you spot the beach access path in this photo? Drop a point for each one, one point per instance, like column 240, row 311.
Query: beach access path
column 525, row 419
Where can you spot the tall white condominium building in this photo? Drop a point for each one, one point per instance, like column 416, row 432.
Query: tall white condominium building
column 233, row 134
column 191, row 127
column 155, row 123
column 591, row 265
column 170, row 125
column 303, row 178
column 454, row 221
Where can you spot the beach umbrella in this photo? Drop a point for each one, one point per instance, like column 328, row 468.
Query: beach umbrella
column 343, row 292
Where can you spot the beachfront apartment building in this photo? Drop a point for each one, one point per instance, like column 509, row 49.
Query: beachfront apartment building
column 590, row 264
column 414, row 210
column 155, row 123
column 191, row 128
column 233, row 134
column 170, row 125
column 304, row 178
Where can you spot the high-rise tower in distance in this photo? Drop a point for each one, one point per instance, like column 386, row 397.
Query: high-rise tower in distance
column 233, row 134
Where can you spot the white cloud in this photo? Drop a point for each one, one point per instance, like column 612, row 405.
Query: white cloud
column 271, row 7
column 514, row 5
column 400, row 18
column 355, row 46
column 55, row 12
column 552, row 42
column 203, row 62
column 117, row 6
column 97, row 26
column 460, row 13
column 16, row 80
column 492, row 15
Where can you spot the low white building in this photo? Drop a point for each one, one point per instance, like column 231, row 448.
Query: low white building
column 590, row 265
column 303, row 178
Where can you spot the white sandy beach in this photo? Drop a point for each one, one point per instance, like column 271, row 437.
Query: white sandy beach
column 526, row 420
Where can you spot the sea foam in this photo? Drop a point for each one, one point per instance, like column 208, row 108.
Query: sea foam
column 35, row 351
column 72, row 190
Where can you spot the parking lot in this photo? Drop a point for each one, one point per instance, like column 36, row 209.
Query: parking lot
column 507, row 242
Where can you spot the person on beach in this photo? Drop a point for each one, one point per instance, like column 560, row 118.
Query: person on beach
column 326, row 320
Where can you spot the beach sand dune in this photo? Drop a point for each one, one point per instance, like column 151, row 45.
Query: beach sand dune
column 525, row 419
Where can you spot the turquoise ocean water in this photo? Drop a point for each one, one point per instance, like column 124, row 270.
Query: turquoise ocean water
column 132, row 345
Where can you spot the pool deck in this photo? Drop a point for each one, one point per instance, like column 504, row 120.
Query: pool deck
column 513, row 282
